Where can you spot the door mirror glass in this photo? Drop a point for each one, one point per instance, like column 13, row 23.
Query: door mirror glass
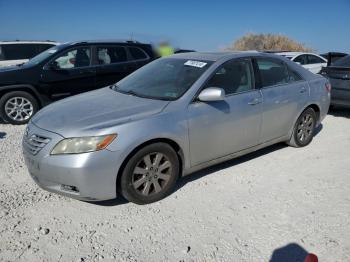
column 212, row 94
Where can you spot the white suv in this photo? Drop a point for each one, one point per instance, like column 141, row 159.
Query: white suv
column 310, row 61
column 18, row 52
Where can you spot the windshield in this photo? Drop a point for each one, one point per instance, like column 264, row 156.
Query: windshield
column 42, row 56
column 166, row 78
column 345, row 61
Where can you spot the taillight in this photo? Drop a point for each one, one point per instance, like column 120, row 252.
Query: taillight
column 328, row 87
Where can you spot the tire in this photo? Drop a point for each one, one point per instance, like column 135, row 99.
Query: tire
column 304, row 128
column 24, row 106
column 150, row 174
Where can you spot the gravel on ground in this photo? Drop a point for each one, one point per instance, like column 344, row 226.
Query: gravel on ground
column 275, row 203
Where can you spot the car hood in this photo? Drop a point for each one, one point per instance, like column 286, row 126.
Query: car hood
column 93, row 112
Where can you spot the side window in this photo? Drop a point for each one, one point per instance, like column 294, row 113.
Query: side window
column 234, row 76
column 42, row 47
column 137, row 53
column 272, row 72
column 294, row 76
column 312, row 59
column 18, row 51
column 111, row 55
column 2, row 57
column 74, row 58
column 301, row 59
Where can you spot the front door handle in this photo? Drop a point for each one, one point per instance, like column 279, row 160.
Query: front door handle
column 255, row 101
column 302, row 89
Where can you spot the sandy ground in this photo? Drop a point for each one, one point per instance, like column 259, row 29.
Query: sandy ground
column 272, row 205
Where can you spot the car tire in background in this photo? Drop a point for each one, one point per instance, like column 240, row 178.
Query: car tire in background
column 304, row 129
column 150, row 174
column 17, row 107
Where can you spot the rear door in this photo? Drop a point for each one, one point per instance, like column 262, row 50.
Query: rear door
column 219, row 128
column 112, row 64
column 69, row 73
column 284, row 94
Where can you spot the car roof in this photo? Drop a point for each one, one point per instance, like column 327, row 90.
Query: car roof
column 28, row 42
column 106, row 41
column 215, row 56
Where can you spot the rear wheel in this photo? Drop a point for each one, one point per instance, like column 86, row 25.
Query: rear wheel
column 150, row 174
column 18, row 107
column 304, row 128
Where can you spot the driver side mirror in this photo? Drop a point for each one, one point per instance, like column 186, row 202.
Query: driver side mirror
column 54, row 66
column 212, row 94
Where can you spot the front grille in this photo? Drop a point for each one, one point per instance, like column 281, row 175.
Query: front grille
column 34, row 143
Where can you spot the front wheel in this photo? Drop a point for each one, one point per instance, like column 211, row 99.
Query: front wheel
column 18, row 107
column 304, row 128
column 150, row 174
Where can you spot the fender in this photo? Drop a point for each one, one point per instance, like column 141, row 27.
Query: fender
column 41, row 101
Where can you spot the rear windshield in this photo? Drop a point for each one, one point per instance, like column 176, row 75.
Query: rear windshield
column 343, row 62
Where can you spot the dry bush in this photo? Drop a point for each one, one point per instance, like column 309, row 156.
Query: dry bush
column 265, row 42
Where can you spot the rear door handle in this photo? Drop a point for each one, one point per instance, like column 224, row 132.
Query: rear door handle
column 255, row 101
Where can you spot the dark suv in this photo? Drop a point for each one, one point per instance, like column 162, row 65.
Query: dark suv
column 66, row 70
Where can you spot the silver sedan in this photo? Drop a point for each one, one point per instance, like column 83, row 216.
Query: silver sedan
column 170, row 118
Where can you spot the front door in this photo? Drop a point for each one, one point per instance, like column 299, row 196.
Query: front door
column 70, row 73
column 219, row 128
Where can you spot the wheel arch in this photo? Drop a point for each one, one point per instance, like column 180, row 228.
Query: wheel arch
column 179, row 151
column 23, row 87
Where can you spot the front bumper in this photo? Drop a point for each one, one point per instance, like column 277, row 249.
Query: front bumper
column 88, row 176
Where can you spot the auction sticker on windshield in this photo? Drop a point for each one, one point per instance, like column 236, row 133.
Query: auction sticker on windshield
column 195, row 63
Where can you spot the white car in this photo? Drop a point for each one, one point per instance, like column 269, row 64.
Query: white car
column 310, row 61
column 19, row 52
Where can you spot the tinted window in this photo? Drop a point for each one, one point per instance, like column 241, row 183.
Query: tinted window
column 111, row 55
column 165, row 78
column 74, row 58
column 137, row 53
column 294, row 76
column 301, row 59
column 272, row 72
column 234, row 76
column 42, row 47
column 18, row 51
column 345, row 61
column 312, row 59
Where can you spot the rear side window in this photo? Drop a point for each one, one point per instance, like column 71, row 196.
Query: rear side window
column 272, row 72
column 234, row 76
column 345, row 61
column 302, row 59
column 312, row 59
column 137, row 53
column 18, row 51
column 111, row 55
column 294, row 76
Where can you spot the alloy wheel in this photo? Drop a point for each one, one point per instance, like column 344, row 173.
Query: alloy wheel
column 305, row 128
column 19, row 108
column 151, row 174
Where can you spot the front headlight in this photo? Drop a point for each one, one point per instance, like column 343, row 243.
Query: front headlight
column 82, row 144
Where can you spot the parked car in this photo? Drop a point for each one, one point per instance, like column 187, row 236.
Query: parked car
column 310, row 61
column 170, row 118
column 66, row 70
column 339, row 76
column 19, row 52
column 332, row 57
